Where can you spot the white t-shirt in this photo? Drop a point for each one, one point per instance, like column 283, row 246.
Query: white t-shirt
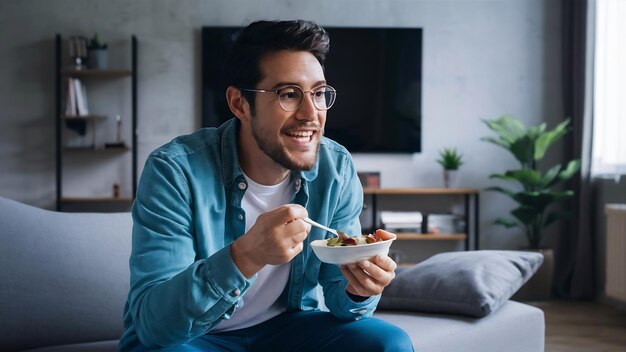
column 260, row 301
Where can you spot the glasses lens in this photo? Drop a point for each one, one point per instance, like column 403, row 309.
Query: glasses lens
column 290, row 98
column 324, row 97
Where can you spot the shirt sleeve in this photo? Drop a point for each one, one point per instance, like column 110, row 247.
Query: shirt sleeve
column 332, row 280
column 174, row 296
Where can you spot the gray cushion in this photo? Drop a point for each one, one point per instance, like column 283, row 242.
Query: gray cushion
column 65, row 276
column 468, row 283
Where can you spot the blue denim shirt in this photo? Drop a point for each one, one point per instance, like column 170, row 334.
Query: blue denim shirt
column 188, row 210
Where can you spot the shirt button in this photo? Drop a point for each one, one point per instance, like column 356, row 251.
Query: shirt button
column 235, row 293
column 240, row 217
column 242, row 185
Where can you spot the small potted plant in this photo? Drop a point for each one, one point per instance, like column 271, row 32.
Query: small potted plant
column 97, row 53
column 451, row 160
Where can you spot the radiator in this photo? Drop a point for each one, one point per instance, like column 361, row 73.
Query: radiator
column 615, row 287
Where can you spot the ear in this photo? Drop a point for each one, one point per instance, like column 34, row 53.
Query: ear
column 237, row 103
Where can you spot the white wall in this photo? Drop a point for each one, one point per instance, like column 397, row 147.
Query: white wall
column 481, row 59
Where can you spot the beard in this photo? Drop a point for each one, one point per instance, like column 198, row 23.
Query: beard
column 277, row 151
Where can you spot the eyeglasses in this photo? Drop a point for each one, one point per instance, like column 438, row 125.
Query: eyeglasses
column 290, row 98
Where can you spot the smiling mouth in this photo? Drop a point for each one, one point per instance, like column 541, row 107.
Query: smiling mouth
column 301, row 136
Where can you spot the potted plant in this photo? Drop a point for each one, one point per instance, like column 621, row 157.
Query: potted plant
column 451, row 160
column 535, row 190
column 97, row 53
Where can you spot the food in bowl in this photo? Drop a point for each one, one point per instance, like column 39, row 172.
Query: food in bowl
column 353, row 240
column 347, row 254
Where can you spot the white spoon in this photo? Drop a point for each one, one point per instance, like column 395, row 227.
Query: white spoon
column 337, row 233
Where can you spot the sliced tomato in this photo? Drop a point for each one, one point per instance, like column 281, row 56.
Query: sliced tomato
column 383, row 235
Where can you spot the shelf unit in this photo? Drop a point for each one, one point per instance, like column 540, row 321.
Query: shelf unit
column 470, row 202
column 63, row 122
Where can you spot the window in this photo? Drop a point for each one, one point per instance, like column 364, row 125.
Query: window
column 609, row 105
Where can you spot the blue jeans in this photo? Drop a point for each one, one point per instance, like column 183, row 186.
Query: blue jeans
column 304, row 331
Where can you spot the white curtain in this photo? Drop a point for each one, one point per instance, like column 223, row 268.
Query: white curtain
column 609, row 106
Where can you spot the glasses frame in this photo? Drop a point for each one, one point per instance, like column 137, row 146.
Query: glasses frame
column 311, row 92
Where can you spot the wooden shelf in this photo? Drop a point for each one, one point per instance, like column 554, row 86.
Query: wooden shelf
column 96, row 199
column 431, row 237
column 470, row 200
column 85, row 73
column 93, row 149
column 84, row 130
column 83, row 118
column 420, row 191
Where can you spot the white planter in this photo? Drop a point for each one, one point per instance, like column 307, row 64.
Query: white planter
column 450, row 178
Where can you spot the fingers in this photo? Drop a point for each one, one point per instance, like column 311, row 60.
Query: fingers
column 369, row 278
column 297, row 238
column 290, row 212
column 363, row 284
column 385, row 262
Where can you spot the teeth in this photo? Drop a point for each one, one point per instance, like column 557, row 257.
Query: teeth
column 301, row 134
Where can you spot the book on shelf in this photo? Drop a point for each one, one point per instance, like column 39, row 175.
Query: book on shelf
column 402, row 221
column 70, row 103
column 403, row 228
column 76, row 98
column 400, row 217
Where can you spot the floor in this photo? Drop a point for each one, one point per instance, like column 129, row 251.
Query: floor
column 583, row 326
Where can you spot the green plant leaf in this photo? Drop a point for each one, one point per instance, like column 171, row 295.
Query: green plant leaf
column 546, row 139
column 538, row 201
column 501, row 143
column 572, row 168
column 522, row 150
column 508, row 192
column 562, row 194
column 503, row 177
column 508, row 223
column 507, row 127
column 450, row 159
column 527, row 177
column 535, row 131
column 550, row 177
column 526, row 215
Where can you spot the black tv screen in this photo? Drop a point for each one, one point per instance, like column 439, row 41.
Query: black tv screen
column 378, row 76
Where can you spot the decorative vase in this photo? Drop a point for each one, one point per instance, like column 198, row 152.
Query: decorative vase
column 450, row 178
column 539, row 286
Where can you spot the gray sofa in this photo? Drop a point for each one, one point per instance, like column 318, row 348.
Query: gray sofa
column 64, row 279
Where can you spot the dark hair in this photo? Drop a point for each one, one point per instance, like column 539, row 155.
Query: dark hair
column 265, row 37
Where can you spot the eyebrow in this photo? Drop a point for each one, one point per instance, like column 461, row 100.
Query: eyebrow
column 283, row 84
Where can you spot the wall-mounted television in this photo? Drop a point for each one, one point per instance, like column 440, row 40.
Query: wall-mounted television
column 378, row 76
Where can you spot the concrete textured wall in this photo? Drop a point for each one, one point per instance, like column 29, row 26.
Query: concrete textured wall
column 482, row 59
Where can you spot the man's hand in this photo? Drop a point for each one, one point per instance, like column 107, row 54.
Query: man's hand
column 275, row 238
column 369, row 277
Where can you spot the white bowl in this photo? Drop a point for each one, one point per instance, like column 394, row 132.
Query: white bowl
column 348, row 254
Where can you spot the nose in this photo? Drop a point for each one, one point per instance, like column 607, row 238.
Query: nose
column 307, row 110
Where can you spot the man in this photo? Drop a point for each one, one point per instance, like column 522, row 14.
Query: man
column 220, row 257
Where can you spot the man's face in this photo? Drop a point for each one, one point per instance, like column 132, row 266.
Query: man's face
column 290, row 139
